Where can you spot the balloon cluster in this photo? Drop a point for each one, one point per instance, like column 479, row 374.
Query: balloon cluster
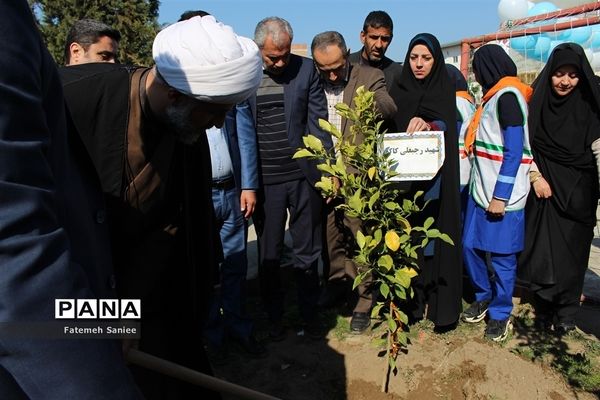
column 540, row 46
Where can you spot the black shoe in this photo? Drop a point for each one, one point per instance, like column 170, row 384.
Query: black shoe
column 277, row 332
column 564, row 328
column 476, row 311
column 360, row 322
column 497, row 330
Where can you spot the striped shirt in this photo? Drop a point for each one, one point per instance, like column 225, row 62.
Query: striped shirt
column 273, row 144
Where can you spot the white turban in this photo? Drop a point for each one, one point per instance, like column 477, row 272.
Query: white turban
column 205, row 59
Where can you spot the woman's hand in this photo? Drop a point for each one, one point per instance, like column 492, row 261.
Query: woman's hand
column 417, row 124
column 496, row 208
column 542, row 188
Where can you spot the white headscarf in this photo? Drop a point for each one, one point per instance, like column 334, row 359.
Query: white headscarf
column 205, row 59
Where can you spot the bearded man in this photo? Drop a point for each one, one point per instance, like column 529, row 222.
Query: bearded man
column 144, row 129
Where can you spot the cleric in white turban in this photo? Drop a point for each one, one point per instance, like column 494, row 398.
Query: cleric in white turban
column 207, row 60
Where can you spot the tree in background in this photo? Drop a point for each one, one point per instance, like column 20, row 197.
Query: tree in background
column 136, row 20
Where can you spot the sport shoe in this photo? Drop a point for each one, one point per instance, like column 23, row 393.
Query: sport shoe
column 564, row 328
column 476, row 311
column 497, row 330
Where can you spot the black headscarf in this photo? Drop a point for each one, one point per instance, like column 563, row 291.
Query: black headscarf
column 434, row 99
column 490, row 64
column 460, row 83
column 562, row 128
column 431, row 98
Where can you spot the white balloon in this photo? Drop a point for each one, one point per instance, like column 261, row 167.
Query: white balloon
column 512, row 9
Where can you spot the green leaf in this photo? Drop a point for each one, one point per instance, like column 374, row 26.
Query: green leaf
column 391, row 205
column 402, row 339
column 325, row 168
column 325, row 184
column 391, row 362
column 360, row 240
column 373, row 199
column 355, row 202
column 386, row 262
column 428, row 222
column 378, row 235
column 326, row 125
column 403, row 318
column 313, row 143
column 375, row 311
column 400, row 292
column 392, row 325
column 418, row 194
column 302, row 153
column 403, row 277
column 385, row 290
column 446, row 239
column 433, row 233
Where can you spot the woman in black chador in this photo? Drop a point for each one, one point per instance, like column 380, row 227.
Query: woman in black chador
column 564, row 125
column 425, row 96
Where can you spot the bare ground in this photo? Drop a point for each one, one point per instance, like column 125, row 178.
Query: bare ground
column 457, row 365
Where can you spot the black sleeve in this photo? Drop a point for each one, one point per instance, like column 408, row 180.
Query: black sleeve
column 509, row 111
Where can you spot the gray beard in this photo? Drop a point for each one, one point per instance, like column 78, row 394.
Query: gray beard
column 178, row 118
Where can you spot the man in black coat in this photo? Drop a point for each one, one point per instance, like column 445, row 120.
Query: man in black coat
column 144, row 130
column 53, row 240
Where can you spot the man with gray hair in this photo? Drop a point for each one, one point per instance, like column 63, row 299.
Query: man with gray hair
column 290, row 101
column 150, row 150
column 89, row 41
column 340, row 80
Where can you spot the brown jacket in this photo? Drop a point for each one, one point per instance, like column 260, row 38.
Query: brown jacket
column 373, row 80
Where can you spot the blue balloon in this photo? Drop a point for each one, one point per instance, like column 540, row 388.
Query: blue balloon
column 595, row 42
column 553, row 44
column 542, row 47
column 524, row 42
column 580, row 35
column 566, row 35
column 542, row 8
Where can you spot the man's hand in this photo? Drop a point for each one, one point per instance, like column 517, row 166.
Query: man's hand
column 247, row 202
column 417, row 124
column 496, row 208
column 542, row 188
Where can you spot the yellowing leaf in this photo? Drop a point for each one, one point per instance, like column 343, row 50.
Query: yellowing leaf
column 392, row 240
column 411, row 272
column 372, row 172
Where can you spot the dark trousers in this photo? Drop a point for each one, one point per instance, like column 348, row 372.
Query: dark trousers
column 305, row 207
column 340, row 243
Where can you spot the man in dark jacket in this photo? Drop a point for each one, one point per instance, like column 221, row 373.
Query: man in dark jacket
column 53, row 239
column 289, row 103
column 144, row 128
